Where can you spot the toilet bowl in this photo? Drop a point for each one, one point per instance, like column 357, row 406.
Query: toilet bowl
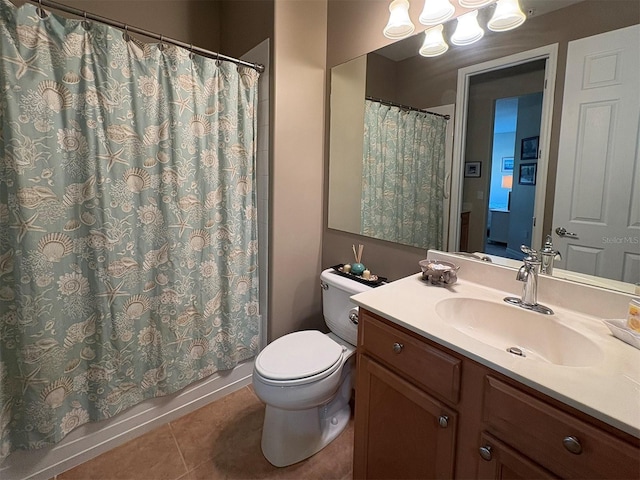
column 305, row 413
column 305, row 379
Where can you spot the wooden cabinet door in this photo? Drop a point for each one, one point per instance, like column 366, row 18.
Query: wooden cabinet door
column 498, row 461
column 400, row 431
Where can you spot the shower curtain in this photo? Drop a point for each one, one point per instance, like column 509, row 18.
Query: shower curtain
column 128, row 234
column 403, row 176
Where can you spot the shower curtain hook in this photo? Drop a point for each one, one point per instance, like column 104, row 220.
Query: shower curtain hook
column 126, row 33
column 218, row 62
column 161, row 46
column 40, row 11
column 85, row 22
column 191, row 51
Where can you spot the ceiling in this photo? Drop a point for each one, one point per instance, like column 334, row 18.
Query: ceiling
column 409, row 47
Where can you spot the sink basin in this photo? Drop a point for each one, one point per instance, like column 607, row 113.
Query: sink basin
column 524, row 333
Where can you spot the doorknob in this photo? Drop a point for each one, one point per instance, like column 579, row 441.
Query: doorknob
column 562, row 232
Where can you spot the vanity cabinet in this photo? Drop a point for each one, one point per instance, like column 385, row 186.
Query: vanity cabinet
column 404, row 424
column 409, row 433
column 424, row 411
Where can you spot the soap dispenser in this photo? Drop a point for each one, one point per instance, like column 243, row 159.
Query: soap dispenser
column 547, row 256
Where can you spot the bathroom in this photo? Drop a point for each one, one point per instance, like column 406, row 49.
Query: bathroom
column 306, row 39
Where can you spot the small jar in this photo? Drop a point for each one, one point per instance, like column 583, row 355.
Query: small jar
column 357, row 268
column 346, row 268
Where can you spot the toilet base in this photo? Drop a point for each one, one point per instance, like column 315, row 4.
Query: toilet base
column 290, row 436
column 291, row 432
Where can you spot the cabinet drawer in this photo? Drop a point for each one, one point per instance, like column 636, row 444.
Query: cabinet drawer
column 433, row 369
column 548, row 435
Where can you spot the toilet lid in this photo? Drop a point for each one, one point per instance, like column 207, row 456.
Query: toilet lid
column 298, row 355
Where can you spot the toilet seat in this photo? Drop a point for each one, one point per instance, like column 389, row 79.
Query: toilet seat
column 298, row 358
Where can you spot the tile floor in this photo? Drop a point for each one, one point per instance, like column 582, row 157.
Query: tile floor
column 218, row 441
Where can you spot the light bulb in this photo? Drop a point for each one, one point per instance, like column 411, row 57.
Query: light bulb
column 436, row 11
column 434, row 43
column 474, row 3
column 468, row 31
column 507, row 16
column 399, row 25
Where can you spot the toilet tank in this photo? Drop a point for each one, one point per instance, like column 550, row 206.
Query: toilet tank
column 336, row 305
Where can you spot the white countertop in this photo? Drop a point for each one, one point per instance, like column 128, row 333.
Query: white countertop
column 608, row 390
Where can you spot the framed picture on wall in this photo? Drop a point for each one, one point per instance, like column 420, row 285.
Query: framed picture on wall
column 507, row 164
column 529, row 148
column 527, row 174
column 472, row 169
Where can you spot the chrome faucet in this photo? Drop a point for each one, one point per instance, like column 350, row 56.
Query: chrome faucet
column 528, row 273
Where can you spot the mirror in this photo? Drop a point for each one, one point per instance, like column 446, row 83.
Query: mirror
column 396, row 73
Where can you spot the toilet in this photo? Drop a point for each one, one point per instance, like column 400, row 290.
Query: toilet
column 305, row 378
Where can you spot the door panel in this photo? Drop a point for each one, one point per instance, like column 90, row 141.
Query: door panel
column 400, row 431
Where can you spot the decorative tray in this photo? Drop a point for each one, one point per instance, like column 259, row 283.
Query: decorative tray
column 620, row 330
column 438, row 272
column 374, row 280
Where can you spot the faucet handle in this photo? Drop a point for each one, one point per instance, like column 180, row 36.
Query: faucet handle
column 528, row 250
column 548, row 249
column 532, row 255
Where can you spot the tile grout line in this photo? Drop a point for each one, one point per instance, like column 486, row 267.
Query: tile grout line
column 175, row 440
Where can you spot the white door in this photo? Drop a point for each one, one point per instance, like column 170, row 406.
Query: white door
column 597, row 198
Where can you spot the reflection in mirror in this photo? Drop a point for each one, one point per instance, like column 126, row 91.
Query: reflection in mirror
column 504, row 112
column 403, row 164
column 397, row 74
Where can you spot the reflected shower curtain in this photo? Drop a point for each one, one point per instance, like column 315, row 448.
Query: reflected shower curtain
column 128, row 235
column 403, row 176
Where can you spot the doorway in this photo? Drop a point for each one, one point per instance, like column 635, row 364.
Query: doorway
column 514, row 156
column 530, row 74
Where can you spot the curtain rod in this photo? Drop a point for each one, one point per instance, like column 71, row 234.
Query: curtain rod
column 129, row 28
column 405, row 107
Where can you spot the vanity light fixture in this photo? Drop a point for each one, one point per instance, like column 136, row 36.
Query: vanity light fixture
column 434, row 43
column 436, row 11
column 507, row 16
column 468, row 31
column 474, row 3
column 399, row 25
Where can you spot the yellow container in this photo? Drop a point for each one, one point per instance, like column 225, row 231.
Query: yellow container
column 633, row 315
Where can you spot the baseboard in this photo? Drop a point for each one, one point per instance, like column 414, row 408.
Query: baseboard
column 90, row 440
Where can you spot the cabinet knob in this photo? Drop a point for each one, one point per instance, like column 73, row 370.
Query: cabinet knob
column 443, row 421
column 485, row 452
column 397, row 347
column 572, row 444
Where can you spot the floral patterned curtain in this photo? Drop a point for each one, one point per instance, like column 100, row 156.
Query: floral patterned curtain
column 403, row 176
column 128, row 234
